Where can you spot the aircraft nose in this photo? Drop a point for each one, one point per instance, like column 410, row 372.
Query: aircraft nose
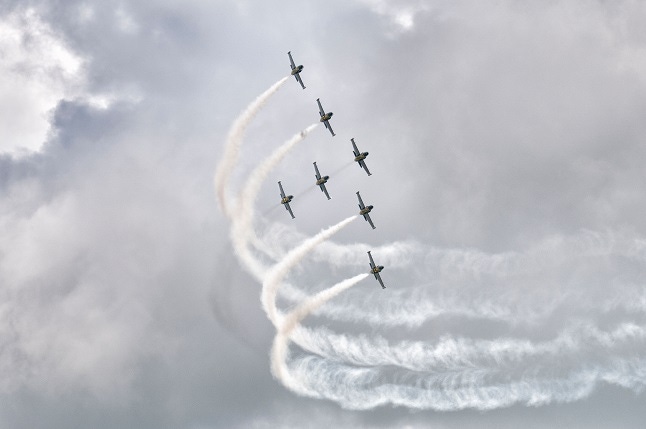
column 331, row 114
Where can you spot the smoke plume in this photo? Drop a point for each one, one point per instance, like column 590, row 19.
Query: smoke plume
column 486, row 330
column 234, row 142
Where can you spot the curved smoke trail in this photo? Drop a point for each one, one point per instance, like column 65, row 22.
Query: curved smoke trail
column 451, row 353
column 523, row 291
column 280, row 347
column 366, row 388
column 234, row 141
column 242, row 231
column 479, row 286
column 274, row 277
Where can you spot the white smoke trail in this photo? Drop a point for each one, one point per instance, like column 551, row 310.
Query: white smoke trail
column 471, row 360
column 273, row 279
column 454, row 353
column 476, row 285
column 366, row 388
column 475, row 367
column 233, row 143
column 452, row 372
column 242, row 231
column 280, row 348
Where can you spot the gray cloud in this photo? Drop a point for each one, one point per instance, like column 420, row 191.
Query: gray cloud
column 489, row 127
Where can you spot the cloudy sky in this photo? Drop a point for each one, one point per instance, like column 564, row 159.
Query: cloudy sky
column 507, row 143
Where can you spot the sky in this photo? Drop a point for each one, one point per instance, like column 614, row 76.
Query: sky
column 507, row 145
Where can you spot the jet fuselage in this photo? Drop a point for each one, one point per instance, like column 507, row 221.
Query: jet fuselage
column 326, row 117
column 286, row 199
column 361, row 157
column 297, row 70
column 322, row 180
column 365, row 210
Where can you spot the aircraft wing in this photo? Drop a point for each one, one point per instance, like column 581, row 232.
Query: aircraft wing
column 378, row 277
column 329, row 127
column 361, row 205
column 367, row 217
column 372, row 261
column 324, row 189
column 299, row 80
column 282, row 193
column 364, row 166
column 318, row 175
column 321, row 111
column 289, row 209
column 356, row 150
column 291, row 60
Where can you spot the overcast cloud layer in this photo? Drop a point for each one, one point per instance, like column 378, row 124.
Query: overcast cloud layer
column 507, row 145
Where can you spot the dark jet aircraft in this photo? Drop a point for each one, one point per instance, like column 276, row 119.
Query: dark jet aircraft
column 285, row 199
column 376, row 269
column 325, row 117
column 364, row 211
column 359, row 157
column 296, row 70
column 321, row 181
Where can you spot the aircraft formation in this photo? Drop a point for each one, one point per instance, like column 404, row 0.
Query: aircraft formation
column 359, row 158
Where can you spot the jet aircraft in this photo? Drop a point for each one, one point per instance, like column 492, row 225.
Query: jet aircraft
column 360, row 157
column 325, row 117
column 376, row 269
column 285, row 199
column 296, row 70
column 321, row 181
column 365, row 210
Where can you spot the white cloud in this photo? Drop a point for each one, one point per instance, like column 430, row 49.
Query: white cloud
column 37, row 70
